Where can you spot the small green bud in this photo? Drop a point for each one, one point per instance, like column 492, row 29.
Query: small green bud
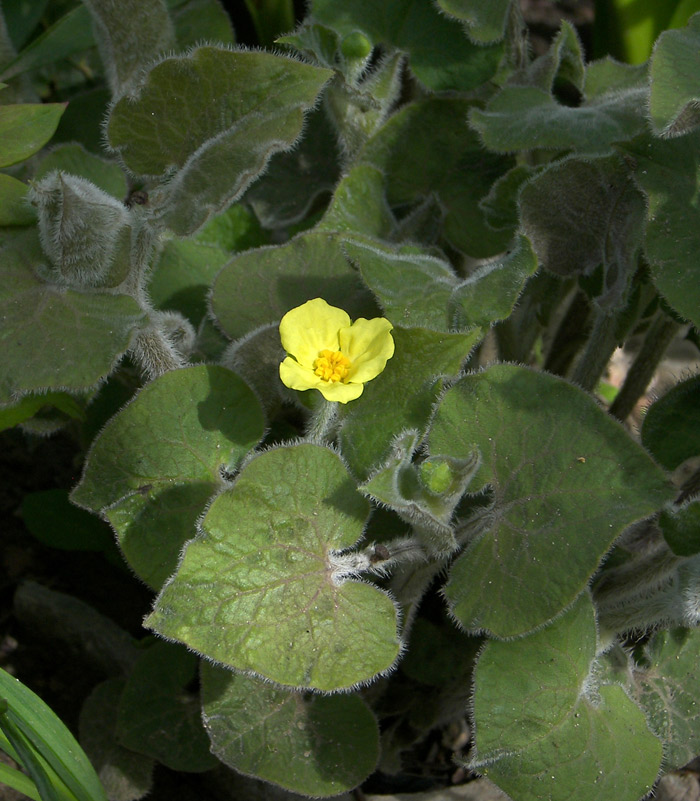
column 81, row 228
column 436, row 476
column 355, row 46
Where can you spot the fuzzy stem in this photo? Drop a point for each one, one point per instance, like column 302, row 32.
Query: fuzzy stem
column 321, row 426
column 154, row 353
column 658, row 337
column 601, row 344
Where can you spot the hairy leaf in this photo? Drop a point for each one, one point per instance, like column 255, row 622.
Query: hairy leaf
column 159, row 716
column 566, row 480
column 440, row 54
column 674, row 101
column 317, row 745
column 192, row 423
column 54, row 338
column 264, row 589
column 426, row 148
column 667, row 170
column 540, row 736
column 241, row 107
column 403, row 395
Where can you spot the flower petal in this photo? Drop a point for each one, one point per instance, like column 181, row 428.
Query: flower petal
column 311, row 328
column 342, row 393
column 296, row 376
column 369, row 345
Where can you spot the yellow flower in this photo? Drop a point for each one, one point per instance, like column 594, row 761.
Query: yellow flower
column 328, row 353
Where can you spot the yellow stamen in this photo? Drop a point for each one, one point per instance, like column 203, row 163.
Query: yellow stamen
column 332, row 366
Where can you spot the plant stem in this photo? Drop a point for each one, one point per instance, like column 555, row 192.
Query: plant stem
column 657, row 339
column 601, row 344
column 322, row 423
column 516, row 336
column 569, row 336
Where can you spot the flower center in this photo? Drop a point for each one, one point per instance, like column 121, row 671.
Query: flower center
column 332, row 366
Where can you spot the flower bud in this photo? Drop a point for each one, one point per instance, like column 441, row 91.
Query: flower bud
column 82, row 230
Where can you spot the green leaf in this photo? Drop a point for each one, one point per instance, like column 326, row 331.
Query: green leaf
column 440, row 54
column 265, row 589
column 186, row 268
column 241, row 107
column 57, row 523
column 57, row 338
column 311, row 265
column 667, row 170
column 74, row 159
column 413, row 288
column 539, row 735
column 318, row 745
column 402, row 396
column 606, row 746
column 294, row 180
column 557, row 464
column 159, row 716
column 423, row 495
column 256, row 357
column 129, row 34
column 193, row 423
column 528, row 118
column 582, row 214
column 83, row 119
column 25, row 128
column 18, row 781
column 674, row 100
column 125, row 775
column 492, row 290
column 681, row 529
column 198, row 21
column 485, row 22
column 14, row 206
column 526, row 688
column 426, row 148
column 49, row 738
column 32, row 406
column 70, row 34
column 671, row 426
column 562, row 63
column 668, row 691
column 22, row 18
column 358, row 205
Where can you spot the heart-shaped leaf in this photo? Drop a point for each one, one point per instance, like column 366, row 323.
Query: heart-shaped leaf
column 265, row 588
column 566, row 480
column 241, row 107
column 537, row 733
column 52, row 337
column 158, row 715
column 317, row 745
column 311, row 265
column 193, row 423
column 668, row 691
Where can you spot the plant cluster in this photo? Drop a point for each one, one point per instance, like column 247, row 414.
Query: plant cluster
column 329, row 320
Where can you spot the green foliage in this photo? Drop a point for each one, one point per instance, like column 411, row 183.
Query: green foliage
column 334, row 581
column 39, row 741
